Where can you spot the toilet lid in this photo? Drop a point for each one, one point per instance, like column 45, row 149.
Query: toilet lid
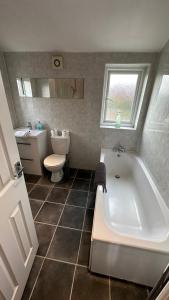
column 54, row 160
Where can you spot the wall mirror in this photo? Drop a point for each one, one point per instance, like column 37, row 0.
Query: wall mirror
column 65, row 88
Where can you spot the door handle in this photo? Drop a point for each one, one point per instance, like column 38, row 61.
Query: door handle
column 18, row 169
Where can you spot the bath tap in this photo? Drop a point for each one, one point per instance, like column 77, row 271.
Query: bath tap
column 119, row 148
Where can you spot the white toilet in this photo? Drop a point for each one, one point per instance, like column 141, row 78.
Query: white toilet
column 55, row 162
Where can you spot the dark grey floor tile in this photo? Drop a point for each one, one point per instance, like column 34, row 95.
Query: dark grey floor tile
column 39, row 192
column 84, row 249
column 46, row 180
column 88, row 220
column 72, row 217
column 91, row 200
column 81, row 184
column 44, row 234
column 35, row 206
column 54, row 281
column 73, row 172
column 123, row 290
column 65, row 245
column 89, row 286
column 32, row 277
column 29, row 186
column 50, row 213
column 77, row 198
column 84, row 174
column 31, row 178
column 66, row 183
column 58, row 195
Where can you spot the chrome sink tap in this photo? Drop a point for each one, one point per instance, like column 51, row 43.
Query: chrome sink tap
column 119, row 148
column 29, row 125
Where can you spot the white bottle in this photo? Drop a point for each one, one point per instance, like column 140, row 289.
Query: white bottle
column 52, row 133
column 118, row 120
column 56, row 131
column 65, row 133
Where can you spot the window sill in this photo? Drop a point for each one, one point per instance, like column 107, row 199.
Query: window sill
column 115, row 128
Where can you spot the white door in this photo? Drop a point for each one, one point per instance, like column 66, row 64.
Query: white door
column 18, row 240
column 164, row 295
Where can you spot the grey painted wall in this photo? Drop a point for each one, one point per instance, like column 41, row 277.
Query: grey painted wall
column 154, row 144
column 7, row 87
column 81, row 117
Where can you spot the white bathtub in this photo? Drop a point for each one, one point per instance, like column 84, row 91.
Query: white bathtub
column 130, row 235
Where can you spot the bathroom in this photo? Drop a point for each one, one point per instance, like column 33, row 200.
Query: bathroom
column 61, row 254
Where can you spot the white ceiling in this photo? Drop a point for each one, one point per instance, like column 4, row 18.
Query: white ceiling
column 83, row 25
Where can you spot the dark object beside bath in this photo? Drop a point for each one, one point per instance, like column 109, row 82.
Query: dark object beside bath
column 100, row 176
column 66, row 169
column 159, row 285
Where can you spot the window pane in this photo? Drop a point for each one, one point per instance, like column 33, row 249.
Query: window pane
column 120, row 96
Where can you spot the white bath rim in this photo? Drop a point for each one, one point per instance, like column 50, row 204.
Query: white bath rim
column 103, row 232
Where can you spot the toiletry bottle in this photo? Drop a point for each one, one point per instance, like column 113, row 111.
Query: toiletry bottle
column 52, row 133
column 56, row 131
column 39, row 126
column 118, row 120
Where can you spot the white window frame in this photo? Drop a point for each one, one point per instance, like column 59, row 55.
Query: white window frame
column 142, row 70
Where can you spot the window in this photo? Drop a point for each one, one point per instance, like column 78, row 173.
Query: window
column 123, row 91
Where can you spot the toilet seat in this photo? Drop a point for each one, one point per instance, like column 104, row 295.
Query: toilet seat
column 54, row 160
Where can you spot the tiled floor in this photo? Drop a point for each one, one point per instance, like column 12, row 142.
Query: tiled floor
column 63, row 215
